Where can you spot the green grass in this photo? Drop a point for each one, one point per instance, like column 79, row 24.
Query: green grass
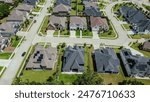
column 87, row 33
column 80, row 8
column 136, row 47
column 1, row 68
column 68, row 78
column 112, row 78
column 37, row 76
column 77, row 32
column 139, row 36
column 146, row 6
column 79, row 1
column 41, row 2
column 73, row 12
column 44, row 25
column 14, row 41
column 127, row 26
column 110, row 33
column 101, row 6
column 26, row 28
column 36, row 9
column 5, row 55
column 64, row 32
column 55, row 33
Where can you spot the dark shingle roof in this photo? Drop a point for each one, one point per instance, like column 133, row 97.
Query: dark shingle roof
column 139, row 21
column 106, row 61
column 92, row 12
column 73, row 59
column 135, row 65
column 65, row 2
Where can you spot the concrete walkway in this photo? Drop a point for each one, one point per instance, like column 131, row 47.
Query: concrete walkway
column 73, row 34
column 95, row 35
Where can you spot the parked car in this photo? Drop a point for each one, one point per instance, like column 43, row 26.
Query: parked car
column 23, row 54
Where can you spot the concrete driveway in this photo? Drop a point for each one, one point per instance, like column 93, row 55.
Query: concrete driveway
column 50, row 33
column 95, row 35
column 72, row 33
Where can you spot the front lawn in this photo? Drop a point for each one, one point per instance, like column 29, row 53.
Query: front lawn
column 136, row 47
column 78, row 33
column 15, row 41
column 64, row 32
column 55, row 33
column 5, row 55
column 1, row 68
column 127, row 26
column 43, row 29
column 139, row 36
column 36, row 9
column 41, row 2
column 26, row 26
column 108, row 34
column 146, row 6
column 37, row 76
column 87, row 33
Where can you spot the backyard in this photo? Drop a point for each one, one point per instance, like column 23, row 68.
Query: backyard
column 37, row 76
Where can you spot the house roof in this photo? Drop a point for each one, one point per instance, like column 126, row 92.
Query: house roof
column 53, row 20
column 43, row 57
column 7, row 1
column 136, row 17
column 91, row 11
column 31, row 2
column 16, row 15
column 106, row 60
column 98, row 21
column 61, row 8
column 73, row 59
column 7, row 27
column 25, row 7
column 90, row 4
column 146, row 45
column 78, row 21
column 65, row 2
column 135, row 65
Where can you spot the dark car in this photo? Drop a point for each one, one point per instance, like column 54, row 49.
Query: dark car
column 23, row 54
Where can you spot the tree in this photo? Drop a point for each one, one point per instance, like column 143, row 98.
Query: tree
column 88, row 78
column 130, row 82
column 4, row 10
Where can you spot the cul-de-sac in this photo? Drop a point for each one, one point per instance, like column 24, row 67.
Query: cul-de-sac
column 74, row 42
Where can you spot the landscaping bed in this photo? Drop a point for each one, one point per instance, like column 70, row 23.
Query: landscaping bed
column 27, row 25
column 15, row 41
column 127, row 27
